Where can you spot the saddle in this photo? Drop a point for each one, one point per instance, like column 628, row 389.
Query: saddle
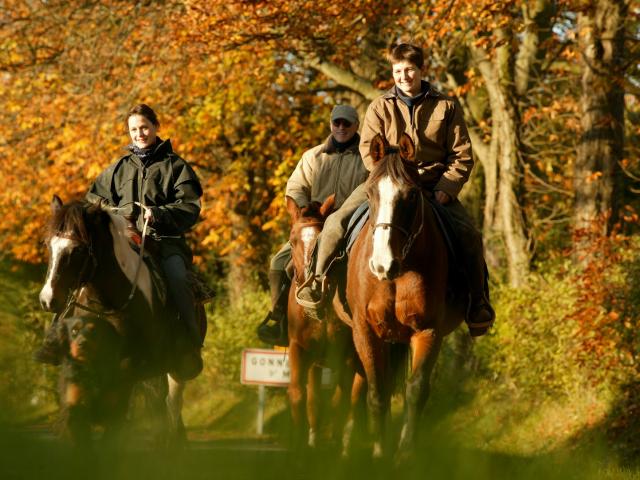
column 458, row 286
column 202, row 292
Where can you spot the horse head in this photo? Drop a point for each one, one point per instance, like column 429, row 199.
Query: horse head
column 395, row 201
column 306, row 225
column 72, row 255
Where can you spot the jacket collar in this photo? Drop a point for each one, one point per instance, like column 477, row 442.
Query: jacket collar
column 161, row 150
column 329, row 147
column 393, row 94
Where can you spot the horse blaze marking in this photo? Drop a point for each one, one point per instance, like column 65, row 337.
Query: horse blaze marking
column 381, row 256
column 58, row 246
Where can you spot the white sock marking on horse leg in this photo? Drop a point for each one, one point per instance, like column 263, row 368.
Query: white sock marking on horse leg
column 174, row 401
column 381, row 256
column 58, row 246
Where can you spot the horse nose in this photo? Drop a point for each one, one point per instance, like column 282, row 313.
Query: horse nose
column 378, row 270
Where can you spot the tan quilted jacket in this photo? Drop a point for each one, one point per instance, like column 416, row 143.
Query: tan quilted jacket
column 437, row 128
column 323, row 171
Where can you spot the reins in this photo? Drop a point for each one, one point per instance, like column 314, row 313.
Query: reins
column 411, row 236
column 72, row 300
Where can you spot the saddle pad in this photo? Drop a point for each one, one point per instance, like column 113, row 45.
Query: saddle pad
column 155, row 270
column 444, row 218
column 356, row 223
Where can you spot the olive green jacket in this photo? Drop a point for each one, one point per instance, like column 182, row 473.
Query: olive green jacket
column 323, row 171
column 437, row 128
column 165, row 183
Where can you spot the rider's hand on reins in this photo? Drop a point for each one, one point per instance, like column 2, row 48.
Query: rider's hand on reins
column 148, row 215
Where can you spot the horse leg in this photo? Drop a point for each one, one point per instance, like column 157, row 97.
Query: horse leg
column 373, row 353
column 117, row 402
column 174, row 400
column 298, row 373
column 340, row 398
column 356, row 412
column 425, row 346
column 313, row 387
column 155, row 391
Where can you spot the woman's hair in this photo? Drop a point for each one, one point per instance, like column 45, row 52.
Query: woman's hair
column 146, row 111
column 405, row 52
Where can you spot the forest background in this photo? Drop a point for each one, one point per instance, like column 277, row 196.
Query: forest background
column 550, row 93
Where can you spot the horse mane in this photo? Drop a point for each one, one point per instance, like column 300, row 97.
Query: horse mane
column 399, row 170
column 73, row 219
column 70, row 219
column 312, row 210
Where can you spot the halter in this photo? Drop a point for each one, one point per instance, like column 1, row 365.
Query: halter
column 411, row 236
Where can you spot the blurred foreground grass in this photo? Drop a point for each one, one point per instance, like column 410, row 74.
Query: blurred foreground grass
column 474, row 428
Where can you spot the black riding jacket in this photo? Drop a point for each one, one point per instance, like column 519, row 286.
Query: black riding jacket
column 165, row 183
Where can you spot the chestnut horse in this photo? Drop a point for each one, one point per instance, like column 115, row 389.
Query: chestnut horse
column 314, row 344
column 92, row 268
column 396, row 287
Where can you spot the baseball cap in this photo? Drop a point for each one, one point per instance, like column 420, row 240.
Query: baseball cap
column 346, row 112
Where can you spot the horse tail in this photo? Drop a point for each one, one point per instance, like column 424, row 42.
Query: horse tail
column 399, row 358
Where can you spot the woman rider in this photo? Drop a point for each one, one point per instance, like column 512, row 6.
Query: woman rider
column 152, row 184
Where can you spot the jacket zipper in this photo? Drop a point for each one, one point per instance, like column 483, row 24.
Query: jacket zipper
column 335, row 189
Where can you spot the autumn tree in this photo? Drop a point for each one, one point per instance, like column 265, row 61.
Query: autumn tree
column 602, row 32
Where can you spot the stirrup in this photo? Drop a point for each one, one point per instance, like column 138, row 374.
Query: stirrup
column 310, row 304
column 477, row 329
column 274, row 334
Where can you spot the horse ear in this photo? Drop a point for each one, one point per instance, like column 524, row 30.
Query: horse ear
column 407, row 148
column 327, row 207
column 293, row 209
column 56, row 204
column 376, row 150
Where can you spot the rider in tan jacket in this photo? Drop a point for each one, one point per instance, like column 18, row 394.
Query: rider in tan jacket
column 333, row 167
column 443, row 152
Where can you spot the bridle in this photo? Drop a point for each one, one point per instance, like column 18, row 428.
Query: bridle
column 92, row 262
column 409, row 235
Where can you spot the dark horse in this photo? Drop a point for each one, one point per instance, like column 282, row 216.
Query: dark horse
column 313, row 344
column 93, row 270
column 396, row 287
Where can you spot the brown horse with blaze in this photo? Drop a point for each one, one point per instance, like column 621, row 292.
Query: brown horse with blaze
column 396, row 287
column 314, row 344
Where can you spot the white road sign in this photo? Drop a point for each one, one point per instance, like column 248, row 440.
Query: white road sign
column 261, row 366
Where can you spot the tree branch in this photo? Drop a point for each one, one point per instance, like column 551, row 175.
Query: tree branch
column 344, row 77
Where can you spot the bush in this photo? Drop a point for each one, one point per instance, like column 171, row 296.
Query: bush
column 232, row 327
column 571, row 325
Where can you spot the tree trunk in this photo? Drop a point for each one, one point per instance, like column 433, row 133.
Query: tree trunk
column 503, row 213
column 597, row 174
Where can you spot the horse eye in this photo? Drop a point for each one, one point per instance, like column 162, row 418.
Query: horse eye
column 74, row 331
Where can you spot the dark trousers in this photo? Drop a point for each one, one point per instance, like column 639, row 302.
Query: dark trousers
column 175, row 270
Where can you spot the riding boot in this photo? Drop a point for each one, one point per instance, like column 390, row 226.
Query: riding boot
column 51, row 350
column 310, row 295
column 273, row 329
column 481, row 315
